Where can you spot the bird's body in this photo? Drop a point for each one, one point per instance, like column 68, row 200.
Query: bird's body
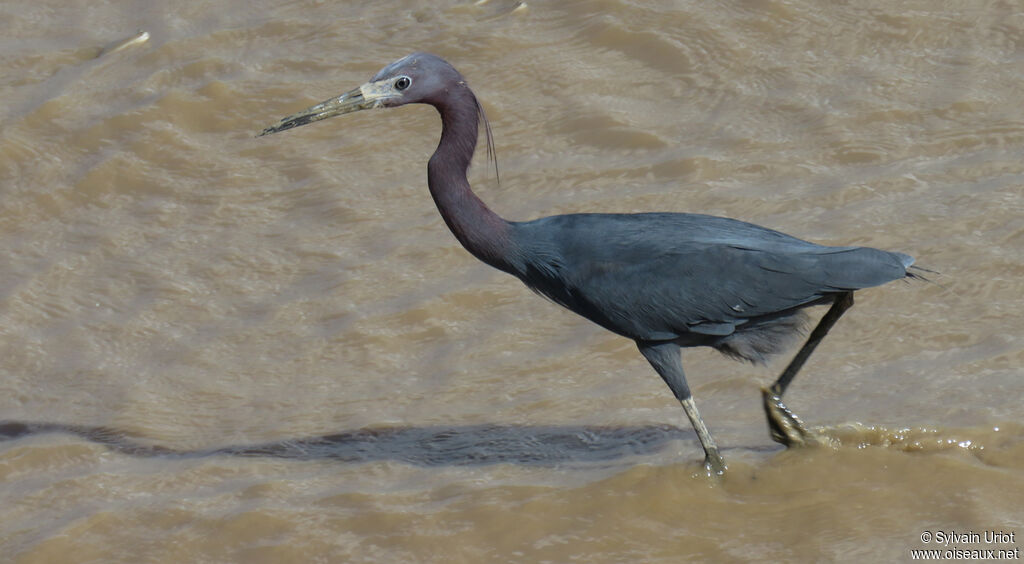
column 688, row 278
column 665, row 280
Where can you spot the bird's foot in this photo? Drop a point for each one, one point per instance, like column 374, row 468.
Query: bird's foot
column 785, row 426
column 714, row 463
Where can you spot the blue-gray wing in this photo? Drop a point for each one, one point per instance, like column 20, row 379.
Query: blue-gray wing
column 661, row 276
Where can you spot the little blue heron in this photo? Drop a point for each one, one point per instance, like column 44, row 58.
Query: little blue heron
column 665, row 280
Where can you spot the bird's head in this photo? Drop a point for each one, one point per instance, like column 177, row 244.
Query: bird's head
column 416, row 78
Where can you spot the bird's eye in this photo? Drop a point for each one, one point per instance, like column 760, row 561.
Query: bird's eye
column 402, row 83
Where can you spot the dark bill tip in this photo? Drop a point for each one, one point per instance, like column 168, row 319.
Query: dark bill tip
column 286, row 124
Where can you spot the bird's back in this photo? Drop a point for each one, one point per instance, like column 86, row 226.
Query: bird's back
column 692, row 278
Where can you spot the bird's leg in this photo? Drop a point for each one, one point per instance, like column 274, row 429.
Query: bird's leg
column 785, row 426
column 664, row 357
column 713, row 461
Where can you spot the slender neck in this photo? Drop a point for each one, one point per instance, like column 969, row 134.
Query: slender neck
column 481, row 231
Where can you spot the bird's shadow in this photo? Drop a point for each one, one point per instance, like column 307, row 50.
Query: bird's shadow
column 470, row 445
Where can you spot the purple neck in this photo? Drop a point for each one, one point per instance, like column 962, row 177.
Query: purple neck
column 481, row 231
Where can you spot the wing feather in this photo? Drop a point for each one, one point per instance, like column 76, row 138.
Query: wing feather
column 661, row 276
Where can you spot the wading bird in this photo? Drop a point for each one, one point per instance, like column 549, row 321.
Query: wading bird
column 665, row 280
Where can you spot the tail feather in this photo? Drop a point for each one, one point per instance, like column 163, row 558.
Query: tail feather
column 914, row 273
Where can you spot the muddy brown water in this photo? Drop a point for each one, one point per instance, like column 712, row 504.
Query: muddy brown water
column 218, row 348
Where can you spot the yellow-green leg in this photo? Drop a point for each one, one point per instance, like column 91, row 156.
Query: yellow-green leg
column 785, row 426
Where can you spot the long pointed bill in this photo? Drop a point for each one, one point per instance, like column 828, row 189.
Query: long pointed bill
column 362, row 98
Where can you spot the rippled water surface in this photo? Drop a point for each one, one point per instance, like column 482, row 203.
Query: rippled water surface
column 222, row 348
